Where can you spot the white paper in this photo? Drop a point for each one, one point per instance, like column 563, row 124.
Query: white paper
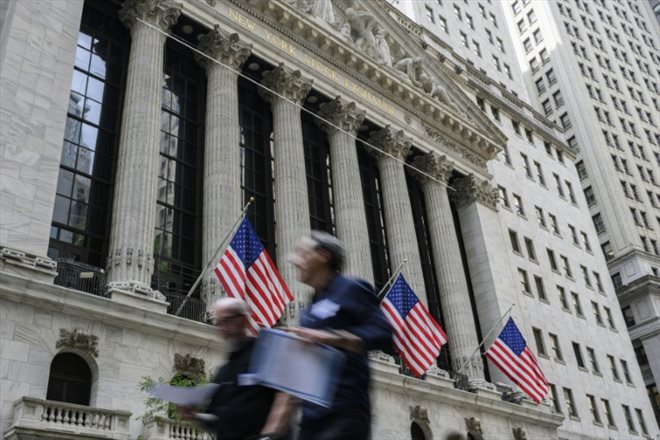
column 184, row 396
column 287, row 363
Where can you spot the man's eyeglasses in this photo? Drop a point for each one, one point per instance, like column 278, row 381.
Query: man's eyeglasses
column 226, row 320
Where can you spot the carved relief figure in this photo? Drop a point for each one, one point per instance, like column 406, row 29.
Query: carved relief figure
column 382, row 47
column 345, row 31
column 362, row 29
column 474, row 429
column 434, row 88
column 324, row 10
column 410, row 70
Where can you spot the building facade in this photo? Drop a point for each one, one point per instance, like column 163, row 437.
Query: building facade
column 599, row 80
column 133, row 134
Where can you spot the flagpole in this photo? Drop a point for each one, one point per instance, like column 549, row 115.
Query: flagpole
column 497, row 324
column 389, row 281
column 213, row 261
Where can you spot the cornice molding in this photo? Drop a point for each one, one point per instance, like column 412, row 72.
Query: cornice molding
column 305, row 31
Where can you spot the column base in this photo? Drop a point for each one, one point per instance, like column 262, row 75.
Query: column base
column 483, row 388
column 137, row 295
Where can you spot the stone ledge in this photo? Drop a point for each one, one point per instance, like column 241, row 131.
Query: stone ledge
column 442, row 389
column 138, row 300
column 27, row 265
column 24, row 290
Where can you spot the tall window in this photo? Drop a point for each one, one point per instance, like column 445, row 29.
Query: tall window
column 317, row 165
column 83, row 205
column 256, row 162
column 70, row 379
column 373, row 206
column 177, row 249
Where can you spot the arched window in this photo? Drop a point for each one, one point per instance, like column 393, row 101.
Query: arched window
column 416, row 432
column 70, row 379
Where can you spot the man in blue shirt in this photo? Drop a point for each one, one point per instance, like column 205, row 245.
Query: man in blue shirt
column 345, row 314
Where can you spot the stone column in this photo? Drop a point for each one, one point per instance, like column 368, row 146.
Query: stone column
column 130, row 263
column 222, row 152
column 494, row 282
column 291, row 201
column 454, row 295
column 350, row 217
column 399, row 224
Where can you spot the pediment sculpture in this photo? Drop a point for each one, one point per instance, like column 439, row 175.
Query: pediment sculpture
column 355, row 22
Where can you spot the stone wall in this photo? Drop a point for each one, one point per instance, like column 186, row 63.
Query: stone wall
column 131, row 344
column 38, row 44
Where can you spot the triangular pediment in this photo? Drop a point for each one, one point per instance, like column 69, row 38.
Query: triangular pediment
column 375, row 41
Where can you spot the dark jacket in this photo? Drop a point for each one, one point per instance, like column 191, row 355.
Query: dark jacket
column 241, row 410
column 351, row 305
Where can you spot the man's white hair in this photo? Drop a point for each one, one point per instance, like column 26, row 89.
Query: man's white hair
column 236, row 305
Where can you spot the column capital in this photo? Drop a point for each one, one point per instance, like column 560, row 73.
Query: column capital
column 435, row 165
column 286, row 82
column 391, row 141
column 224, row 47
column 470, row 189
column 344, row 115
column 160, row 13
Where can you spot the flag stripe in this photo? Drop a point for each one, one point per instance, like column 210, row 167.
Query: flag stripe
column 404, row 342
column 509, row 367
column 417, row 337
column 510, row 353
column 246, row 271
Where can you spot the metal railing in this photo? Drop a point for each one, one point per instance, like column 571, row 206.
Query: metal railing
column 194, row 309
column 79, row 276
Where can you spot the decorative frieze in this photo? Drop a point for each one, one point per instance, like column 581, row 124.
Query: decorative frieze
column 519, row 434
column 470, row 189
column 189, row 365
column 450, row 145
column 78, row 341
column 419, row 413
column 473, row 426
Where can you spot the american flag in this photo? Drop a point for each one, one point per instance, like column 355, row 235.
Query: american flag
column 417, row 337
column 510, row 354
column 247, row 272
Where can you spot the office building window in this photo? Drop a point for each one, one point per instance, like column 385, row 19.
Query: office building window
column 524, row 281
column 593, row 362
column 608, row 412
column 578, row 355
column 593, row 408
column 629, row 420
column 613, row 368
column 538, row 339
column 571, row 410
column 556, row 349
column 577, row 305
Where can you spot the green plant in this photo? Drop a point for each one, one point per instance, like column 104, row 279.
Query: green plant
column 157, row 406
